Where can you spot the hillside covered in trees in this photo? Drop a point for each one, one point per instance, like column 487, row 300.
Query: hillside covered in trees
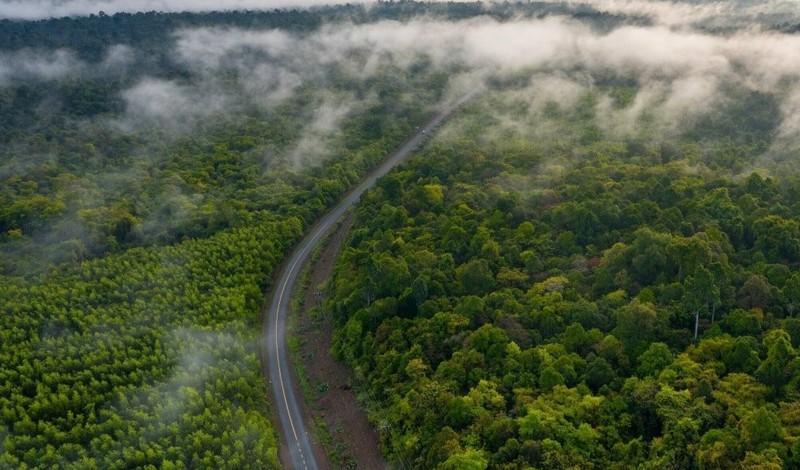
column 507, row 315
column 593, row 265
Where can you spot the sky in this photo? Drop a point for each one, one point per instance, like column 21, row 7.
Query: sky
column 666, row 11
column 37, row 9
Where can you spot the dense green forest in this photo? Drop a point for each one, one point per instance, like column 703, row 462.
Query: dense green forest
column 135, row 249
column 592, row 266
column 577, row 300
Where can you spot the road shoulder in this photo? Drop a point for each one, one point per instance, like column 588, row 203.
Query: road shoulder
column 349, row 438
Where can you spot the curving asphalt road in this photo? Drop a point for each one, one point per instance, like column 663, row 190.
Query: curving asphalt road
column 273, row 343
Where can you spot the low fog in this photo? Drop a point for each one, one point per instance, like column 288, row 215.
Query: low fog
column 674, row 72
column 38, row 65
column 678, row 74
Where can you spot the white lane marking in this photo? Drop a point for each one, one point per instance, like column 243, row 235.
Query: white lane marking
column 333, row 216
column 299, row 256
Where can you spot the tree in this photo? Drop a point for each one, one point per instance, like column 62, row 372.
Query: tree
column 649, row 257
column 718, row 207
column 700, row 293
column 777, row 238
column 691, row 253
column 756, row 292
column 638, row 324
column 768, row 459
column 742, row 355
column 598, row 373
column 791, row 293
column 549, row 378
column 470, row 459
column 719, row 448
column 773, row 370
column 654, row 360
column 761, row 428
column 476, row 276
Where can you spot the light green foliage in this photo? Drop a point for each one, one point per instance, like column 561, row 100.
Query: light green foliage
column 468, row 460
column 761, row 429
column 143, row 357
column 134, row 258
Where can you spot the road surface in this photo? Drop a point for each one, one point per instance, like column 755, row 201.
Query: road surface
column 273, row 344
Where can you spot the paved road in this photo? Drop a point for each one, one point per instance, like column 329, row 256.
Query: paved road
column 274, row 325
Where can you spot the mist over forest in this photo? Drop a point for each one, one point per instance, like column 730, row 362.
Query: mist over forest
column 591, row 265
column 680, row 66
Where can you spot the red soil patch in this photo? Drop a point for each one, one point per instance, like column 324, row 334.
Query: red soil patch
column 354, row 441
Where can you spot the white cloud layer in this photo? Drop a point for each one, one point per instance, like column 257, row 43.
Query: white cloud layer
column 679, row 73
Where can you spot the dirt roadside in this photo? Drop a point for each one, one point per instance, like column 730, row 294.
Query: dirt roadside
column 352, row 442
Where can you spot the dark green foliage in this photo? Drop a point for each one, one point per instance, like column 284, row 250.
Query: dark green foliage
column 570, row 315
